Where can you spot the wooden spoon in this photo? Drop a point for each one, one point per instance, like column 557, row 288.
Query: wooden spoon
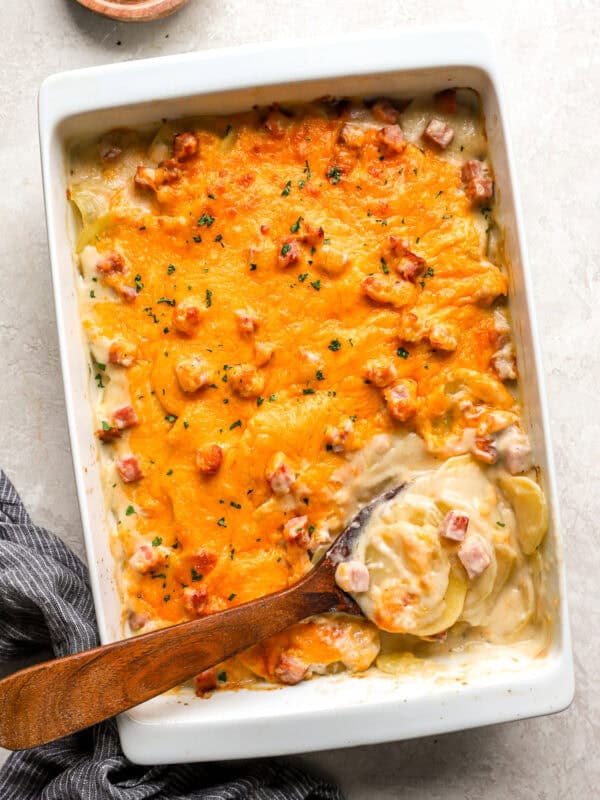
column 134, row 10
column 50, row 700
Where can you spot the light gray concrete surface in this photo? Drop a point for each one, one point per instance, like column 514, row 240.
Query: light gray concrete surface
column 551, row 63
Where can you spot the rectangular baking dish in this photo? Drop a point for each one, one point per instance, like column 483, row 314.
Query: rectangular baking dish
column 334, row 711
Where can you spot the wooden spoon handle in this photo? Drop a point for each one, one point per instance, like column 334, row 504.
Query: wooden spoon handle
column 50, row 700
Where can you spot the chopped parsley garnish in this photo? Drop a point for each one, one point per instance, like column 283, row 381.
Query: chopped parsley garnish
column 101, row 366
column 384, row 266
column 334, row 345
column 212, row 197
column 252, row 267
column 501, row 524
column 429, row 273
column 286, row 249
column 222, row 676
column 156, row 541
column 219, row 238
column 441, row 191
column 236, row 424
column 316, row 285
column 221, row 522
column 186, row 424
column 167, row 301
column 307, row 171
column 166, row 330
column 166, row 598
column 308, row 391
column 334, row 175
column 232, row 553
column 205, row 219
column 169, row 472
column 233, row 504
column 171, row 418
column 197, row 239
column 98, row 379
column 171, row 269
column 260, row 401
column 105, row 425
column 231, row 596
column 208, row 298
column 286, row 189
column 296, row 226
column 319, row 375
column 303, row 277
column 402, row 352
column 272, row 398
column 92, row 293
column 129, row 511
column 196, row 576
column 138, row 283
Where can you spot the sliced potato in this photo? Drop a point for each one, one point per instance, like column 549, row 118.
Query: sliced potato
column 454, row 601
column 399, row 663
column 531, row 510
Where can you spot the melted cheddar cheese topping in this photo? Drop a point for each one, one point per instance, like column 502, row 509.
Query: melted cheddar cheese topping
column 263, row 295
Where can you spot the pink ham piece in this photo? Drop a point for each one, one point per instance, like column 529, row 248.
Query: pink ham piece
column 439, row 133
column 476, row 177
column 146, row 558
column 290, row 669
column 280, row 476
column 185, row 145
column 125, row 417
column 383, row 110
column 474, row 556
column 352, row 576
column 289, row 253
column 129, row 469
column 194, row 599
column 393, row 138
column 295, row 531
column 454, row 526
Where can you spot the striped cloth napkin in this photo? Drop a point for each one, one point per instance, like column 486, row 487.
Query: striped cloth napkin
column 46, row 604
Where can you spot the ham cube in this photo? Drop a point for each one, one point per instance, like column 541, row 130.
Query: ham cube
column 280, row 475
column 454, row 526
column 290, row 669
column 137, row 621
column 146, row 558
column 187, row 315
column 288, row 254
column 401, row 399
column 296, row 532
column 209, row 459
column 474, row 555
column 112, row 262
column 122, row 353
column 392, row 137
column 195, row 599
column 129, row 469
column 478, row 183
column 352, row 576
column 336, row 439
column 125, row 418
column 439, row 133
column 185, row 145
column 383, row 110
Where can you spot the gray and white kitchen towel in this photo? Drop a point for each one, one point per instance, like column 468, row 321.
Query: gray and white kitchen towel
column 46, row 604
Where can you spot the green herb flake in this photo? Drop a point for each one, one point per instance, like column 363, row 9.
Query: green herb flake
column 205, row 219
column 252, row 267
column 272, row 398
column 208, row 298
column 169, row 472
column 196, row 576
column 296, row 226
column 307, row 171
column 231, row 596
column 166, row 598
column 219, row 238
column 316, row 285
column 156, row 541
column 171, row 418
column 171, row 269
column 167, row 301
column 197, row 239
column 334, row 345
column 232, row 553
column 92, row 293
column 212, row 197
column 402, row 353
column 129, row 511
column 236, row 424
column 98, row 379
column 303, row 277
column 286, row 249
column 105, row 425
column 319, row 375
column 334, row 175
column 138, row 283
column 308, row 391
column 233, row 504
column 222, row 676
column 501, row 524
column 287, row 189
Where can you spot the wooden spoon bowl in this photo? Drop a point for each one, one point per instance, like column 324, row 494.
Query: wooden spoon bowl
column 50, row 700
column 134, row 10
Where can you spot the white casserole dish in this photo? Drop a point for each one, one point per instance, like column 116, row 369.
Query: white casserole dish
column 334, row 711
